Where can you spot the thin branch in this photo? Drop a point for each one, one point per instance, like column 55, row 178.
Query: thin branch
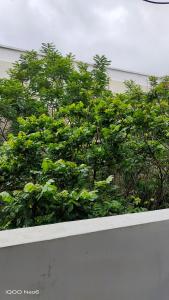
column 156, row 2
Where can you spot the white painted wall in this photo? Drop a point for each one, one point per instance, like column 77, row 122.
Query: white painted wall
column 7, row 57
column 115, row 258
column 117, row 77
column 9, row 54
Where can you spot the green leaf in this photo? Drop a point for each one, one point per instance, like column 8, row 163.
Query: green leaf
column 6, row 197
column 30, row 187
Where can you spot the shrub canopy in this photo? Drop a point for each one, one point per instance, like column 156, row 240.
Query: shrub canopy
column 73, row 149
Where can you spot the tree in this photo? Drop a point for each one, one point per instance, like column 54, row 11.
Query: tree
column 92, row 154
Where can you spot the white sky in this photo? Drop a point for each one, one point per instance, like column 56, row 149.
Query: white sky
column 133, row 34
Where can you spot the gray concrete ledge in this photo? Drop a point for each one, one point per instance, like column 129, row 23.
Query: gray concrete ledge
column 42, row 233
column 114, row 258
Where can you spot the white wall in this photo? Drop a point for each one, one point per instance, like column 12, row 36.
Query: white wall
column 114, row 258
column 117, row 77
column 7, row 57
column 9, row 54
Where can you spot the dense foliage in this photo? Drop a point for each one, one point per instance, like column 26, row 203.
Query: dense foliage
column 75, row 150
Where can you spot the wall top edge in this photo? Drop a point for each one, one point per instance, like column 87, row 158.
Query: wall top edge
column 12, row 48
column 42, row 233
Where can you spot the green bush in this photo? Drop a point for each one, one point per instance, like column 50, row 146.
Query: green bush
column 79, row 151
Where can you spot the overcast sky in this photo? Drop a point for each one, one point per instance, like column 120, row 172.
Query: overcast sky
column 133, row 34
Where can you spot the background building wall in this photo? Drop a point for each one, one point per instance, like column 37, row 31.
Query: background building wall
column 7, row 57
column 117, row 77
